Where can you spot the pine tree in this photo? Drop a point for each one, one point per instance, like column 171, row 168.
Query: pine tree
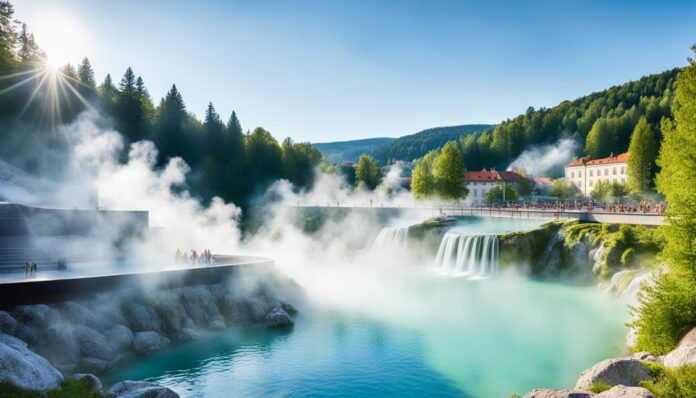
column 641, row 157
column 8, row 36
column 29, row 52
column 128, row 84
column 169, row 134
column 677, row 176
column 85, row 74
column 449, row 172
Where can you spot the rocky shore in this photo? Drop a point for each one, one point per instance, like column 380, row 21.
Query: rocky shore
column 42, row 346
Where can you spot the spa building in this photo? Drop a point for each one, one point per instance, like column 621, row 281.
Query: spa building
column 585, row 172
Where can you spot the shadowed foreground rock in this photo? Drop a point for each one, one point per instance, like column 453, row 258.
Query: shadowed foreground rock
column 22, row 368
column 90, row 381
column 141, row 389
column 278, row 318
column 626, row 392
column 622, row 371
column 554, row 393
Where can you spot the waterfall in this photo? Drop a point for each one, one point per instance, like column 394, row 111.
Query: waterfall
column 390, row 238
column 474, row 256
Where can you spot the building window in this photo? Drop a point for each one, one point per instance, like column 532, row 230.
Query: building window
column 623, row 170
column 591, row 173
column 606, row 172
column 614, row 171
column 579, row 173
column 572, row 174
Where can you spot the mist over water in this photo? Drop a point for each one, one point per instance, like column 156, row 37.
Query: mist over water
column 378, row 321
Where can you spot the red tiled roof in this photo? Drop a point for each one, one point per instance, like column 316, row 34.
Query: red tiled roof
column 620, row 158
column 482, row 176
column 543, row 181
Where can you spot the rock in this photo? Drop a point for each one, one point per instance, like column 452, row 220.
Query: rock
column 75, row 312
column 147, row 342
column 685, row 353
column 171, row 311
column 554, row 393
column 644, row 356
column 96, row 365
column 278, row 318
column 119, row 337
column 217, row 323
column 289, row 308
column 627, row 372
column 90, row 381
column 141, row 389
column 104, row 314
column 626, row 392
column 93, row 344
column 59, row 345
column 141, row 318
column 23, row 368
column 32, row 315
column 28, row 334
column 200, row 304
column 188, row 334
column 8, row 324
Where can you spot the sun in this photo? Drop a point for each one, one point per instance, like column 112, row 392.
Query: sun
column 61, row 38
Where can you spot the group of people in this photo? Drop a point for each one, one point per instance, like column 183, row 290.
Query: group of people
column 29, row 269
column 206, row 257
column 644, row 206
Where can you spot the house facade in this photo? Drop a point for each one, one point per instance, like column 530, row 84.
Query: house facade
column 480, row 182
column 585, row 172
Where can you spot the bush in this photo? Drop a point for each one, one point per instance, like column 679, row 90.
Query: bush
column 7, row 390
column 672, row 383
column 627, row 257
column 666, row 312
column 69, row 389
column 600, row 387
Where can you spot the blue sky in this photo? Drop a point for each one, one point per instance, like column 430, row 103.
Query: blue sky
column 338, row 70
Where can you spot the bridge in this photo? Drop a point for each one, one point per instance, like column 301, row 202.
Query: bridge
column 425, row 211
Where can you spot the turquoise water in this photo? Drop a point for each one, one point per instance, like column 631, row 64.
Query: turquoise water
column 491, row 225
column 439, row 337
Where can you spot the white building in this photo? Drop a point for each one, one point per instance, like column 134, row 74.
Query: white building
column 480, row 182
column 585, row 173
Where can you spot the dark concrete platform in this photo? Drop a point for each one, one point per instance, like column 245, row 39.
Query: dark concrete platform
column 34, row 291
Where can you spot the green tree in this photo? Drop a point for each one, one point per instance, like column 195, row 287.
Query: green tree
column 263, row 155
column 667, row 309
column 85, row 74
column 8, row 36
column 423, row 181
column 170, row 128
column 600, row 140
column 564, row 190
column 448, row 170
column 641, row 157
column 29, row 51
column 495, row 194
column 300, row 162
column 128, row 108
column 367, row 172
column 601, row 191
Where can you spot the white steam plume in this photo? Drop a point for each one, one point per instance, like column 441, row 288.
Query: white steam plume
column 546, row 160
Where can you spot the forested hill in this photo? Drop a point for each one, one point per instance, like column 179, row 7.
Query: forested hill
column 414, row 146
column 350, row 151
column 601, row 123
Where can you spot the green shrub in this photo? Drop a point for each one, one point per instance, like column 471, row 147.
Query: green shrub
column 600, row 387
column 672, row 383
column 628, row 257
column 7, row 390
column 666, row 312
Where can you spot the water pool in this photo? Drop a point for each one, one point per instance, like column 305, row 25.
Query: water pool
column 447, row 337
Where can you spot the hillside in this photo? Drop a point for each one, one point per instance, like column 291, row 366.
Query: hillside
column 414, row 146
column 350, row 151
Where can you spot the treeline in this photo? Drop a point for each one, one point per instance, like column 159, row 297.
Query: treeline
column 414, row 146
column 601, row 122
column 226, row 161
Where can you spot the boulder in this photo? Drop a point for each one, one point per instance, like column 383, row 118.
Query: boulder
column 684, row 354
column 188, row 334
column 200, row 304
column 141, row 389
column 147, row 342
column 622, row 371
column 289, row 308
column 8, row 324
column 217, row 323
column 96, row 365
column 278, row 318
column 59, row 345
column 554, row 393
column 120, row 338
column 23, row 368
column 141, row 318
column 644, row 356
column 171, row 311
column 74, row 312
column 93, row 344
column 626, row 392
column 28, row 334
column 90, row 381
column 32, row 315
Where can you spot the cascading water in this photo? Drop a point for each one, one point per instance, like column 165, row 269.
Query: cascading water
column 475, row 256
column 390, row 238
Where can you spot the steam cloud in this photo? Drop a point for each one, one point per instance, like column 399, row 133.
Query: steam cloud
column 546, row 160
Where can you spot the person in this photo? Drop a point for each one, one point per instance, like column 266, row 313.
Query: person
column 33, row 269
column 184, row 258
column 194, row 257
column 26, row 268
column 177, row 256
